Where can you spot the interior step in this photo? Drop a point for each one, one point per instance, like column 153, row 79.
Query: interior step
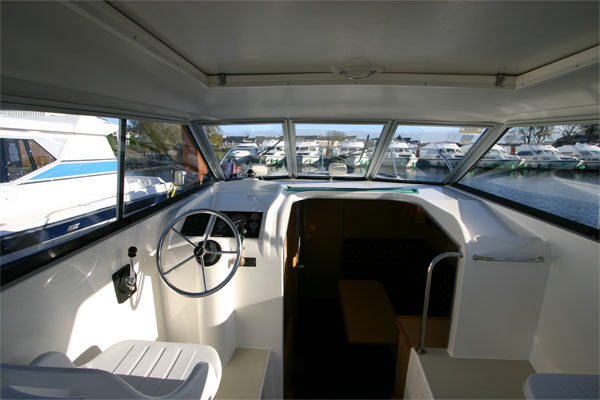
column 243, row 377
column 436, row 375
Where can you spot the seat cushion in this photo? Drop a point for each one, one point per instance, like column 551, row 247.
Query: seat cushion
column 158, row 368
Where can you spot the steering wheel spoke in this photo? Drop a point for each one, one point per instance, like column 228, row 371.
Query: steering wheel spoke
column 179, row 265
column 220, row 252
column 203, row 274
column 183, row 236
column 207, row 253
column 209, row 229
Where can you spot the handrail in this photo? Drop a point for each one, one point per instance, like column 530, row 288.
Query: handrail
column 437, row 259
column 539, row 259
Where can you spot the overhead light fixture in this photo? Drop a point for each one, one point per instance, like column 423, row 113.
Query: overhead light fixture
column 357, row 69
column 358, row 75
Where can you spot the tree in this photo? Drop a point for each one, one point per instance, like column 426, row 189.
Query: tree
column 215, row 139
column 215, row 135
column 591, row 132
column 529, row 134
column 570, row 130
column 154, row 137
column 334, row 136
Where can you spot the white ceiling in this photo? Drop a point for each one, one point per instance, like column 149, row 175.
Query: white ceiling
column 424, row 36
column 55, row 52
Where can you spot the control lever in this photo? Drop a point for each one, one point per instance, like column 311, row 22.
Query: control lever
column 125, row 279
column 131, row 280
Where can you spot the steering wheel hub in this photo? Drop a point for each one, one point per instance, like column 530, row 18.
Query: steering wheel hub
column 199, row 252
column 207, row 253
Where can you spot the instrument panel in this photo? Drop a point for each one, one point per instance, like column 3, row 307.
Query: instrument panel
column 248, row 224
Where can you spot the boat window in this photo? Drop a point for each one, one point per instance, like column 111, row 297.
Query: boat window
column 256, row 146
column 60, row 179
column 161, row 161
column 21, row 156
column 531, row 172
column 335, row 149
column 59, row 175
column 426, row 153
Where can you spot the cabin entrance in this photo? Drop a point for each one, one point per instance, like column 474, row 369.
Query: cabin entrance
column 348, row 258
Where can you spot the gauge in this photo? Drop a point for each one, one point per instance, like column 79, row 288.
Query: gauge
column 255, row 216
column 240, row 221
column 253, row 225
column 220, row 225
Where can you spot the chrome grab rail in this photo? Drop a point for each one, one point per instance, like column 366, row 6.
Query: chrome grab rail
column 539, row 259
column 437, row 259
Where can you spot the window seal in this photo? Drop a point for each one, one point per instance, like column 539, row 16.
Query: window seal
column 121, row 146
column 575, row 227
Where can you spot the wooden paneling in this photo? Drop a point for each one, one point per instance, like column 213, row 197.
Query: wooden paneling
column 368, row 314
column 321, row 248
column 382, row 219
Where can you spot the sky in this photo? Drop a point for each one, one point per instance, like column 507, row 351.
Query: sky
column 111, row 120
column 421, row 133
column 425, row 134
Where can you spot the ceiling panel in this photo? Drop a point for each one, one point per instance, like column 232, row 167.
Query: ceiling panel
column 471, row 37
column 49, row 52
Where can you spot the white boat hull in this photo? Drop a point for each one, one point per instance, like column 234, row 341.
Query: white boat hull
column 591, row 165
column 437, row 162
column 400, row 162
column 500, row 163
column 552, row 164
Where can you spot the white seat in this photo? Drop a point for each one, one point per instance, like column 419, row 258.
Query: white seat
column 130, row 369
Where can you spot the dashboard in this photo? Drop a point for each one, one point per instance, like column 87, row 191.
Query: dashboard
column 248, row 224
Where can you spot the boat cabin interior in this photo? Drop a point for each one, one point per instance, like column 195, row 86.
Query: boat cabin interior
column 167, row 231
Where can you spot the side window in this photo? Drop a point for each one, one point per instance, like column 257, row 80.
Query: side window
column 553, row 169
column 59, row 179
column 161, row 161
column 60, row 175
column 21, row 157
column 16, row 162
column 40, row 156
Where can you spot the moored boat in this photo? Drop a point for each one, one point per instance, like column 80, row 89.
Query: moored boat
column 272, row 152
column 398, row 155
column 60, row 172
column 589, row 154
column 307, row 152
column 545, row 156
column 355, row 153
column 439, row 154
column 496, row 157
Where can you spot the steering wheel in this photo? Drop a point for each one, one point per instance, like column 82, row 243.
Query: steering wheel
column 184, row 251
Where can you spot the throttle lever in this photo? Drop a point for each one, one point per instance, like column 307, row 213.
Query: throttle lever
column 125, row 279
column 130, row 281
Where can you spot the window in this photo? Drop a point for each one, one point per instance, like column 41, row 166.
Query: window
column 22, row 157
column 335, row 149
column 241, row 147
column 161, row 160
column 60, row 175
column 426, row 153
column 547, row 169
